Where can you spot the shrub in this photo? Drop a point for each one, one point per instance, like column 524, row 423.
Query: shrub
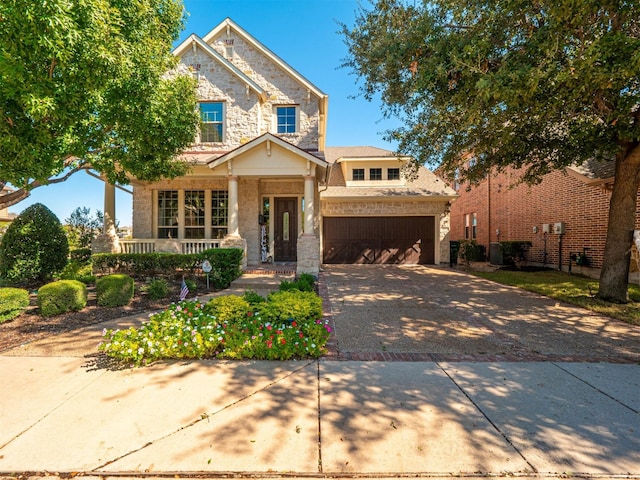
column 80, row 271
column 304, row 283
column 33, row 248
column 253, row 298
column 225, row 263
column 226, row 327
column 12, row 302
column 80, row 255
column 514, row 251
column 62, row 296
column 114, row 290
column 292, row 304
column 471, row 251
column 191, row 285
column 158, row 289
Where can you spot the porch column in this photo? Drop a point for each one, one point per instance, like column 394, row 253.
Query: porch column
column 309, row 197
column 232, row 228
column 109, row 227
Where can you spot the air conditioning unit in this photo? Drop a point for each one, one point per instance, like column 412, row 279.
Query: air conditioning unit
column 546, row 228
column 558, row 228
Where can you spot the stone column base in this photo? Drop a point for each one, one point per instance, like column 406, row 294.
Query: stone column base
column 105, row 243
column 308, row 255
column 236, row 242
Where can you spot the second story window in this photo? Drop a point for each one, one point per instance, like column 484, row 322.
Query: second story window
column 358, row 174
column 375, row 174
column 286, row 119
column 211, row 129
column 393, row 174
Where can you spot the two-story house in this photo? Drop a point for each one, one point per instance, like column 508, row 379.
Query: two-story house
column 264, row 180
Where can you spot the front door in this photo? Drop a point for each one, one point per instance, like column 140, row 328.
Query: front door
column 285, row 229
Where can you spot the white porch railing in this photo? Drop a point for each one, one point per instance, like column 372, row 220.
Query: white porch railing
column 183, row 246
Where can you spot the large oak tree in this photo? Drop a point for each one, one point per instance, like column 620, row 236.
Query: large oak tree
column 534, row 85
column 84, row 84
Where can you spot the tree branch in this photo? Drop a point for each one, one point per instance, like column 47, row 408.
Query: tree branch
column 17, row 196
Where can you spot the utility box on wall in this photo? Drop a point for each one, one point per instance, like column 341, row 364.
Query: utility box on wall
column 558, row 228
column 546, row 228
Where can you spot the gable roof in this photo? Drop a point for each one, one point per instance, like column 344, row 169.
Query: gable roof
column 227, row 24
column 264, row 139
column 426, row 185
column 337, row 154
column 193, row 39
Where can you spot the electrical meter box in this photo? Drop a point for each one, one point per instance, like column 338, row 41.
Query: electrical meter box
column 558, row 228
column 546, row 228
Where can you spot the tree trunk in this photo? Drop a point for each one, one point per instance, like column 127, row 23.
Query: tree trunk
column 614, row 276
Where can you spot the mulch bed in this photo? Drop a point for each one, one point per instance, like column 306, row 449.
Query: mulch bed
column 30, row 326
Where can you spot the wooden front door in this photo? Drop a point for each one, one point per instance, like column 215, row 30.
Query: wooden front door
column 285, row 229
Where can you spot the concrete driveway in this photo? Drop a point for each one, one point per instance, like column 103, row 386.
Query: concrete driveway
column 439, row 314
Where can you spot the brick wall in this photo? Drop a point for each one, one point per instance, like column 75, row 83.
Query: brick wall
column 515, row 211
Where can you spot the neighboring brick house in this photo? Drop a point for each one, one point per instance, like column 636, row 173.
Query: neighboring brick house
column 574, row 201
column 260, row 179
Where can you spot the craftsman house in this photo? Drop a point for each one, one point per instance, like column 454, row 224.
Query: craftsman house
column 564, row 217
column 264, row 180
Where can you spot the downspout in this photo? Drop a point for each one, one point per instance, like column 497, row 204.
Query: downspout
column 489, row 215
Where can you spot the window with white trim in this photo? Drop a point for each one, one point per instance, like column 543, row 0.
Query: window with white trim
column 393, row 174
column 212, row 122
column 194, row 214
column 375, row 174
column 219, row 213
column 168, row 214
column 286, row 119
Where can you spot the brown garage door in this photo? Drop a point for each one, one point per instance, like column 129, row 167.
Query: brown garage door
column 408, row 240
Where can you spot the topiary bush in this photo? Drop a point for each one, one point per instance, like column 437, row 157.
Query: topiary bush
column 12, row 302
column 33, row 248
column 62, row 296
column 75, row 270
column 114, row 290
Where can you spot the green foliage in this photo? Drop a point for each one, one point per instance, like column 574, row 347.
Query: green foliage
column 227, row 328
column 12, row 302
column 81, row 255
column 82, row 228
column 304, row 283
column 253, row 298
column 284, row 305
column 225, row 263
column 158, row 289
column 84, row 83
column 74, row 270
column 114, row 290
column 514, row 251
column 62, row 296
column 34, row 247
column 471, row 251
column 191, row 285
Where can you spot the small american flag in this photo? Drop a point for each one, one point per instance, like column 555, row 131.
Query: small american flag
column 184, row 290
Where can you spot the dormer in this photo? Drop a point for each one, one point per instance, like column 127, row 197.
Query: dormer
column 369, row 167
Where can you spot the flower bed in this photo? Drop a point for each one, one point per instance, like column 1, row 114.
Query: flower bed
column 248, row 327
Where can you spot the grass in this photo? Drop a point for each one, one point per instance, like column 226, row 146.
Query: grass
column 574, row 289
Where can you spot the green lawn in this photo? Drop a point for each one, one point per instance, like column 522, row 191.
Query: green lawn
column 574, row 289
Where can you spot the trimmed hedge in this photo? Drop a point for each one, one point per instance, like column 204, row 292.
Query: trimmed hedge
column 62, row 296
column 225, row 263
column 12, row 302
column 114, row 290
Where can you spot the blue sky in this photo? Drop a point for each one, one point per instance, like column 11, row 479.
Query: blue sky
column 304, row 33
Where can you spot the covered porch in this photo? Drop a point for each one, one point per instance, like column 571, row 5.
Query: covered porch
column 260, row 197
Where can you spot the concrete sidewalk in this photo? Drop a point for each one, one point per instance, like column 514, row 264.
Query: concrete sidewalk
column 320, row 418
column 66, row 410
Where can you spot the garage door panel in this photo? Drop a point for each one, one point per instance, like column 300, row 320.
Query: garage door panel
column 388, row 240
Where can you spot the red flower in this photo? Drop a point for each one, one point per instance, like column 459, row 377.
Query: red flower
column 283, row 341
column 269, row 343
column 249, row 314
column 294, row 324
